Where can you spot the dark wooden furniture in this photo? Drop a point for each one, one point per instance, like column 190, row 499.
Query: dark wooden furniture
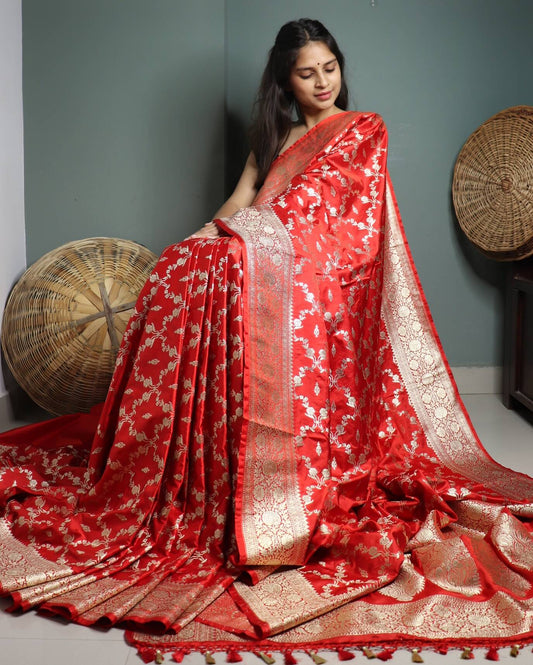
column 518, row 363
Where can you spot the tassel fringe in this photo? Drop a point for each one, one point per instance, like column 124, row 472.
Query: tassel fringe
column 153, row 655
column 344, row 654
column 147, row 655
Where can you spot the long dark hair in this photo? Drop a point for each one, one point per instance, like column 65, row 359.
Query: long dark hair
column 275, row 104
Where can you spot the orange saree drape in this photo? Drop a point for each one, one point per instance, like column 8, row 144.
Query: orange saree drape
column 283, row 460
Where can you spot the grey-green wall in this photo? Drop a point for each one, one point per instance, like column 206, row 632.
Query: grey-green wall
column 124, row 120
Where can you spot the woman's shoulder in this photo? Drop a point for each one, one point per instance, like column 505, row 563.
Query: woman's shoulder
column 364, row 116
column 365, row 123
column 352, row 119
column 295, row 133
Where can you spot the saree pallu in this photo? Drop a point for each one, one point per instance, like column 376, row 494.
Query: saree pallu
column 283, row 461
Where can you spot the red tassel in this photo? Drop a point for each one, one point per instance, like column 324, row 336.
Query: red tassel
column 492, row 654
column 343, row 654
column 147, row 655
column 442, row 650
column 177, row 656
column 290, row 659
column 233, row 657
column 386, row 654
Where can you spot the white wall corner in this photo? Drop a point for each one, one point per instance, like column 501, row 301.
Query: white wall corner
column 12, row 225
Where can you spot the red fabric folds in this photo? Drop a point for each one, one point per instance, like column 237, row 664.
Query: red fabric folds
column 283, row 461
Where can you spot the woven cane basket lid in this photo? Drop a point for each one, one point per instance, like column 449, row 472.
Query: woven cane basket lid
column 65, row 318
column 493, row 185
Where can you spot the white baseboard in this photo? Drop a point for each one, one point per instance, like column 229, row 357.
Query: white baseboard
column 478, row 380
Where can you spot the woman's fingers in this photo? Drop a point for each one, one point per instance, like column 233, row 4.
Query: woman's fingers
column 209, row 230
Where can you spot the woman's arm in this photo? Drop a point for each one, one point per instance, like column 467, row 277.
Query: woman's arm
column 243, row 195
column 245, row 191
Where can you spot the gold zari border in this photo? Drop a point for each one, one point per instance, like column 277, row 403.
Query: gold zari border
column 22, row 566
column 425, row 375
column 430, row 619
column 273, row 522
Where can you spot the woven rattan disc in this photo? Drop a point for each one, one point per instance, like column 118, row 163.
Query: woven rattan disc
column 65, row 318
column 493, row 185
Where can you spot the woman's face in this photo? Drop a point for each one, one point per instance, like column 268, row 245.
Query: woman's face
column 315, row 80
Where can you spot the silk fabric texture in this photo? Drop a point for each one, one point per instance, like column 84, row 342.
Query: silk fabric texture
column 283, row 458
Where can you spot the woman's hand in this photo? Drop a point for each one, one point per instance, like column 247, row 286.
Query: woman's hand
column 209, row 230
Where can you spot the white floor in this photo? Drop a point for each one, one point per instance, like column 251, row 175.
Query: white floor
column 33, row 640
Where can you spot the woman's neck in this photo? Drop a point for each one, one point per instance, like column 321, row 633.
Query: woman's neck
column 310, row 120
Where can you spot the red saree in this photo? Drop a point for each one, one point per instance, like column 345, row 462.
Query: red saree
column 283, row 461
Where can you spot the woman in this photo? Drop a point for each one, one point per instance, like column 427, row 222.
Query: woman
column 304, row 74
column 283, row 460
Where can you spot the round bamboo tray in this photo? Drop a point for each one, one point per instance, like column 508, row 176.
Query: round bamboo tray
column 493, row 185
column 65, row 317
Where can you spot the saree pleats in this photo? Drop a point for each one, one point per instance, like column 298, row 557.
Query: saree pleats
column 283, row 460
column 154, row 496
